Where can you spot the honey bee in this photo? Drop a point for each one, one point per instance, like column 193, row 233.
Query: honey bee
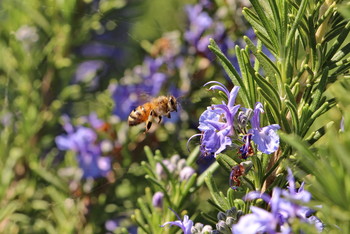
column 153, row 110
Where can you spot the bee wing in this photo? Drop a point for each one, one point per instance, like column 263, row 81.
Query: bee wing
column 145, row 97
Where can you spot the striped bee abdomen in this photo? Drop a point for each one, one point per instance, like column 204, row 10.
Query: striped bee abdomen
column 138, row 115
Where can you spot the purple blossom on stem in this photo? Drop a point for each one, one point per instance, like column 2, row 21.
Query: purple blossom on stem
column 259, row 221
column 90, row 72
column 217, row 122
column 83, row 141
column 222, row 121
column 199, row 21
column 157, row 200
column 202, row 27
column 213, row 142
column 246, row 150
column 186, row 224
column 285, row 207
column 266, row 138
column 186, row 173
column 229, row 110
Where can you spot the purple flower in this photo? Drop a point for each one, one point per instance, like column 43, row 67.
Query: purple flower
column 157, row 200
column 111, row 225
column 202, row 27
column 89, row 72
column 259, row 221
column 217, row 122
column 246, row 150
column 186, row 224
column 83, row 141
column 213, row 142
column 199, row 21
column 176, row 166
column 228, row 109
column 266, row 138
column 93, row 120
column 225, row 113
column 284, row 208
column 186, row 173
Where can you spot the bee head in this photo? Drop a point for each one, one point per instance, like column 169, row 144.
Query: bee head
column 172, row 104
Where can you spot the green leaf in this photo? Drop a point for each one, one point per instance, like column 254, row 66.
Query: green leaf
column 244, row 65
column 269, row 90
column 150, row 156
column 295, row 25
column 137, row 218
column 265, row 22
column 226, row 162
column 290, row 95
column 316, row 135
column 337, row 43
column 144, row 210
column 49, row 177
column 269, row 67
column 193, row 156
column 149, row 170
column 275, row 111
column 8, row 209
column 266, row 42
column 230, row 70
column 188, row 184
column 340, row 54
column 213, row 167
column 319, row 91
column 321, row 110
column 294, row 114
column 296, row 143
column 256, row 23
column 312, row 40
column 209, row 218
column 214, row 191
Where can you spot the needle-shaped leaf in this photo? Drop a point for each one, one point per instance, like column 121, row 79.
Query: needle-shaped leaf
column 269, row 67
column 230, row 70
column 295, row 25
column 265, row 22
column 214, row 191
column 294, row 114
column 269, row 90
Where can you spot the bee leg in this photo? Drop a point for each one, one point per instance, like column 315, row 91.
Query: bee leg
column 168, row 115
column 149, row 121
column 159, row 119
column 148, row 125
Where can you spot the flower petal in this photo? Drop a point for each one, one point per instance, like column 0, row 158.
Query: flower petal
column 222, row 87
column 232, row 96
column 266, row 139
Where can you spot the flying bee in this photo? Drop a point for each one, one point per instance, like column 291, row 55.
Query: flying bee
column 153, row 110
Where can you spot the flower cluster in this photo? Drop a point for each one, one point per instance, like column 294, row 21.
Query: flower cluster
column 219, row 124
column 202, row 27
column 83, row 140
column 176, row 167
column 227, row 219
column 187, row 225
column 285, row 210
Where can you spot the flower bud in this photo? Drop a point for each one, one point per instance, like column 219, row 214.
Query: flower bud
column 186, row 173
column 157, row 200
column 221, row 216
